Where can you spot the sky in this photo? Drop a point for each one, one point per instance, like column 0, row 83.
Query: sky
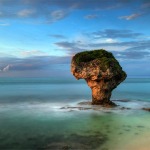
column 39, row 37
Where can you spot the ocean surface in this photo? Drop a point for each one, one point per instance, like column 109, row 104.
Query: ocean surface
column 47, row 114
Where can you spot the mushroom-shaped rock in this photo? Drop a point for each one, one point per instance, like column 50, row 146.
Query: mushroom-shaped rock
column 101, row 71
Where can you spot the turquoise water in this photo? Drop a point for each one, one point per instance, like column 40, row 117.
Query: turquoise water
column 31, row 116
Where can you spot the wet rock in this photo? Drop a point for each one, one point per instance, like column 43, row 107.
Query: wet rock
column 88, row 106
column 84, row 103
column 102, row 73
column 73, row 108
column 124, row 108
column 147, row 109
column 123, row 100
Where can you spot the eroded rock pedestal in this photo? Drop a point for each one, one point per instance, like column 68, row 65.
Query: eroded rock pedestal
column 101, row 71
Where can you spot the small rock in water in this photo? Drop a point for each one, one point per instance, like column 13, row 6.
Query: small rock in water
column 124, row 108
column 147, row 109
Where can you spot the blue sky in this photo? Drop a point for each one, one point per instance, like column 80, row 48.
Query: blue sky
column 39, row 37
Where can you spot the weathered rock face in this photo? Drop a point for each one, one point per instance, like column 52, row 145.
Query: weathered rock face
column 101, row 71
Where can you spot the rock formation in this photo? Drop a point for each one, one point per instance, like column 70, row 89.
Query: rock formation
column 101, row 71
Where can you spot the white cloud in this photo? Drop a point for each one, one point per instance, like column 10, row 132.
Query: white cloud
column 81, row 39
column 109, row 40
column 57, row 15
column 105, row 40
column 130, row 17
column 93, row 16
column 26, row 13
column 115, row 48
column 31, row 53
column 6, row 68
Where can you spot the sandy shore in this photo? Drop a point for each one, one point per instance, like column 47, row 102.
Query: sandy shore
column 139, row 143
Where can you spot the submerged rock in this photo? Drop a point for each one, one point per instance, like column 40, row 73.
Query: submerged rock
column 101, row 71
column 77, row 142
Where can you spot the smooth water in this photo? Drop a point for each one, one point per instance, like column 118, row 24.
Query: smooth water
column 31, row 116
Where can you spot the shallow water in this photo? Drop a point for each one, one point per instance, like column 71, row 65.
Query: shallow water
column 31, row 116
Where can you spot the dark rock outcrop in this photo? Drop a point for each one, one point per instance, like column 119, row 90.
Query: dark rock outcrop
column 147, row 109
column 101, row 71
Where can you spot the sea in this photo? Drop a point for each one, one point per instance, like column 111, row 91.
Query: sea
column 55, row 114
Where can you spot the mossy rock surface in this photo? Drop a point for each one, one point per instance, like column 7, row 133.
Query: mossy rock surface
column 107, row 60
column 87, row 56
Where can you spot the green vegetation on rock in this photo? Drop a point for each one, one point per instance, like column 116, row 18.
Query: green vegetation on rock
column 106, row 59
column 87, row 56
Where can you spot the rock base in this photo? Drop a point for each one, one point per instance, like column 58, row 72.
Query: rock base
column 104, row 103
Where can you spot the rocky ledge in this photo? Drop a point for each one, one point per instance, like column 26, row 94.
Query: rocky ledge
column 101, row 71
